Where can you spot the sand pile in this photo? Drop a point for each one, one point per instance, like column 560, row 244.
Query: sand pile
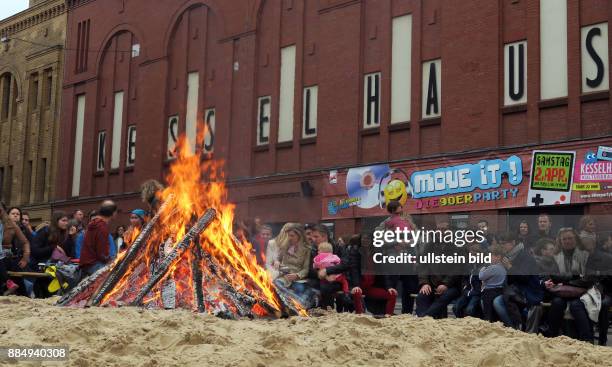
column 133, row 337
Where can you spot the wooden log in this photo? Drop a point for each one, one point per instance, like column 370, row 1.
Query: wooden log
column 287, row 298
column 197, row 278
column 119, row 270
column 21, row 274
column 83, row 286
column 176, row 253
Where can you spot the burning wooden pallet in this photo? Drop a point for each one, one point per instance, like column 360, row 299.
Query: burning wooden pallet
column 184, row 275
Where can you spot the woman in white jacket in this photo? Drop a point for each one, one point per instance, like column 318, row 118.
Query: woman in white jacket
column 273, row 251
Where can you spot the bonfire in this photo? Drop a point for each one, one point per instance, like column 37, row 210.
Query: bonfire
column 187, row 257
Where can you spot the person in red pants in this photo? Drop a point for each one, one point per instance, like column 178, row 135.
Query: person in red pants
column 372, row 286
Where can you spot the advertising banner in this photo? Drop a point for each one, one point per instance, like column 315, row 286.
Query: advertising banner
column 530, row 178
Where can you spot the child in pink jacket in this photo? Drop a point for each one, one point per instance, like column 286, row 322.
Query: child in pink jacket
column 326, row 258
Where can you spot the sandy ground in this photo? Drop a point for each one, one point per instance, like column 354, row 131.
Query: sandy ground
column 133, row 337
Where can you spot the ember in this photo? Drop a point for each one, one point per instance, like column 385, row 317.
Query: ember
column 186, row 256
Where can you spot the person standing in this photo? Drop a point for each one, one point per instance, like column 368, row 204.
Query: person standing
column 137, row 222
column 408, row 278
column 78, row 216
column 95, row 253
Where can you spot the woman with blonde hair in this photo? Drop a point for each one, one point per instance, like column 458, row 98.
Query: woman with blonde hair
column 272, row 262
column 293, row 259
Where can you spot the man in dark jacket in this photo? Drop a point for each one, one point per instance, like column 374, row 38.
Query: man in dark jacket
column 437, row 288
column 95, row 253
column 439, row 284
column 523, row 289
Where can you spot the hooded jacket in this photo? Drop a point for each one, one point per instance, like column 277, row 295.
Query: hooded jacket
column 96, row 246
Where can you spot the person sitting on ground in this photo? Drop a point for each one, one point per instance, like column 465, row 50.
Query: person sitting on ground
column 599, row 268
column 545, row 250
column 525, row 236
column 588, row 231
column 469, row 303
column 261, row 241
column 26, row 225
column 272, row 263
column 544, row 227
column 319, row 235
column 493, row 278
column 14, row 254
column 380, row 297
column 523, row 290
column 606, row 245
column 16, row 216
column 408, row 273
column 489, row 238
column 352, row 258
column 95, row 253
column 439, row 284
column 54, row 242
column 325, row 259
column 572, row 262
column 293, row 263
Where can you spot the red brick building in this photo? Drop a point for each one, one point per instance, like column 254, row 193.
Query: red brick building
column 296, row 89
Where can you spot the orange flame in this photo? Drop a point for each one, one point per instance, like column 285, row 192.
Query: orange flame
column 194, row 185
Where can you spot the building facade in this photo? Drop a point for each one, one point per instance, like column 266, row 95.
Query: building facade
column 298, row 93
column 31, row 69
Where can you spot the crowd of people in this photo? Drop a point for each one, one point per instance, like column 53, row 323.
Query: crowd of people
column 535, row 282
column 538, row 281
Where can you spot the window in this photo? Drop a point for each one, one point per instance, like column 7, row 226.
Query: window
column 553, row 49
column 82, row 52
column 34, row 91
column 401, row 69
column 8, row 185
column 27, row 183
column 131, row 146
column 48, row 96
column 432, row 89
column 6, row 95
column 287, row 94
column 371, row 100
column 263, row 120
column 41, row 180
column 101, row 156
column 78, row 145
column 117, row 130
column 191, row 116
column 135, row 50
column 309, row 116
